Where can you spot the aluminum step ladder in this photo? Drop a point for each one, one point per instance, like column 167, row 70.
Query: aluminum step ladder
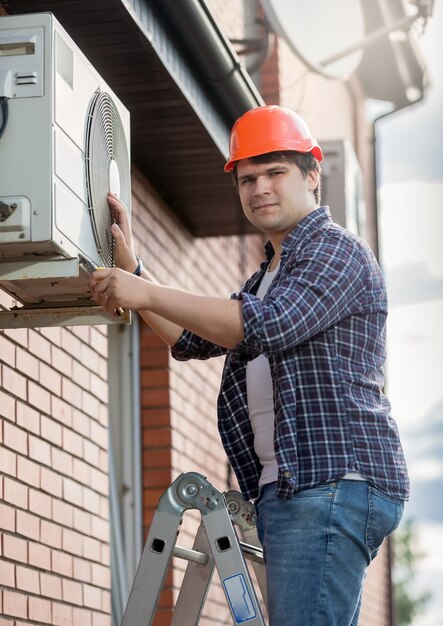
column 216, row 545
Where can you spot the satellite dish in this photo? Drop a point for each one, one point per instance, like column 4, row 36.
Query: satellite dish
column 319, row 30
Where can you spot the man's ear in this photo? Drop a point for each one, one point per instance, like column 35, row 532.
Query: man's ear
column 313, row 179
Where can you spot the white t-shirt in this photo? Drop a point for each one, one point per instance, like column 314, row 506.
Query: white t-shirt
column 261, row 402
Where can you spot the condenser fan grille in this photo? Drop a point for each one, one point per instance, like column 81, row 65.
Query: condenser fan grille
column 107, row 169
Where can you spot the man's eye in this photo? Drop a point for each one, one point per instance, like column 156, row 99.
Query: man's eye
column 276, row 172
column 245, row 181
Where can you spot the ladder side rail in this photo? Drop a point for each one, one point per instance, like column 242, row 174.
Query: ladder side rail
column 195, row 586
column 244, row 516
column 152, row 570
column 232, row 569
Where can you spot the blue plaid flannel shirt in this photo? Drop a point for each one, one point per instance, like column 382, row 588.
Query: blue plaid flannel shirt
column 322, row 327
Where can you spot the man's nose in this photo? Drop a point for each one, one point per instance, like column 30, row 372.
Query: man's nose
column 262, row 185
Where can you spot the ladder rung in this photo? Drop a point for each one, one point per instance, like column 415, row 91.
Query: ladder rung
column 190, row 555
column 251, row 552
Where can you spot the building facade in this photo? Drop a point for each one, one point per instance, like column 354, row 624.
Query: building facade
column 96, row 421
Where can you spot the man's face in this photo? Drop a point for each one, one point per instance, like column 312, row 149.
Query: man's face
column 275, row 196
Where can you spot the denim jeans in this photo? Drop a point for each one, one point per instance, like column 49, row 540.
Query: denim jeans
column 317, row 547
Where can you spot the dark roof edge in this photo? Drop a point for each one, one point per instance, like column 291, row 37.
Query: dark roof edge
column 212, row 57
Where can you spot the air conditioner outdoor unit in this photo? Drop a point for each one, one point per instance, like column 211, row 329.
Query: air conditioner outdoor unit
column 64, row 143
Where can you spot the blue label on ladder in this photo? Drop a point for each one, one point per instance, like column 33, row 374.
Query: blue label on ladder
column 239, row 598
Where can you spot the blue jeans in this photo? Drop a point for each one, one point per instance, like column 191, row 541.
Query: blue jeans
column 317, row 547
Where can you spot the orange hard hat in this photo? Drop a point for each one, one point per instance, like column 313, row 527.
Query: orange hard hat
column 269, row 128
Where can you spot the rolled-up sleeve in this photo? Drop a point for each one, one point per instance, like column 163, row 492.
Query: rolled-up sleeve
column 191, row 346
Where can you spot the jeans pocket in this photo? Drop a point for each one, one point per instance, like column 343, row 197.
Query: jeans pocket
column 384, row 516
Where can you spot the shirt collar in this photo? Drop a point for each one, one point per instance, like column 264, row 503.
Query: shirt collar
column 302, row 231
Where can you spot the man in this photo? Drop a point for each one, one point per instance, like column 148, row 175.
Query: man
column 301, row 411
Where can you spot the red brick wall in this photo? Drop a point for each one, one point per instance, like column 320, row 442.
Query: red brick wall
column 54, row 518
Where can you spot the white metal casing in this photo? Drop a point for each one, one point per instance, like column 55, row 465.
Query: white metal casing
column 49, row 84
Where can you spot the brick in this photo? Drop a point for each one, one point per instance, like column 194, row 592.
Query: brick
column 7, row 517
column 100, row 619
column 51, row 482
column 28, row 418
column 61, row 361
column 27, row 579
column 61, row 411
column 26, row 363
column 160, row 458
column 72, row 442
column 81, row 472
column 106, row 602
column 81, row 423
column 61, row 614
column 82, row 617
column 28, row 471
column 90, row 357
column 100, row 435
column 154, row 358
column 61, row 461
column 51, row 430
column 50, row 534
column 91, row 501
column 101, row 576
column 91, row 453
column 69, row 343
column 62, row 563
column 92, row 597
column 8, row 462
column 72, row 492
column 39, row 346
column 7, row 574
column 39, row 555
column 100, row 528
column 7, row 404
column 81, row 375
column 40, row 503
column 51, row 586
column 52, row 334
column 15, row 604
column 90, row 405
column 62, row 513
column 15, row 548
column 40, row 610
column 72, row 592
column 82, row 569
column 91, row 549
column 28, row 525
column 82, row 521
column 99, row 387
column 157, row 437
column 15, row 438
column 7, row 350
column 99, row 341
column 72, row 541
column 39, row 450
column 16, row 493
column 50, row 379
column 39, row 397
column 152, row 379
column 156, row 417
column 71, row 393
column 100, row 480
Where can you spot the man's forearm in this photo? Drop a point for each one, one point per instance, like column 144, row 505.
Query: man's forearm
column 215, row 319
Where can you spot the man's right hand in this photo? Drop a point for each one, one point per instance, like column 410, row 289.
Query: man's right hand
column 124, row 254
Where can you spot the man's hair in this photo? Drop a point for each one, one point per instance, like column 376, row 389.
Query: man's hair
column 305, row 162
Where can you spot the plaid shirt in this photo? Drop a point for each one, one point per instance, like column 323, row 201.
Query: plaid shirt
column 322, row 327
